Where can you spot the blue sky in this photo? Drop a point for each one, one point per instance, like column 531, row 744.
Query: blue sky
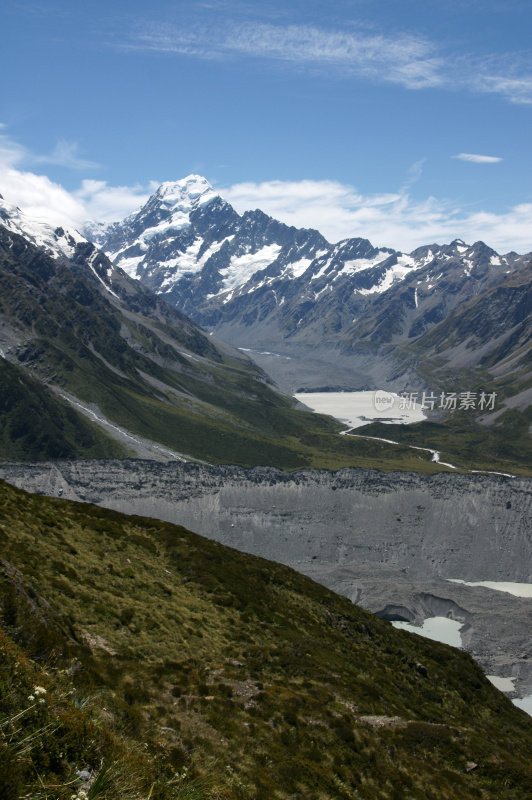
column 403, row 121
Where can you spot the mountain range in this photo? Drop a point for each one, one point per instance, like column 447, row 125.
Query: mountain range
column 345, row 316
column 94, row 363
column 314, row 313
column 192, row 309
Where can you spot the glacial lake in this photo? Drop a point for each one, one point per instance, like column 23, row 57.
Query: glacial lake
column 360, row 408
column 525, row 703
column 440, row 629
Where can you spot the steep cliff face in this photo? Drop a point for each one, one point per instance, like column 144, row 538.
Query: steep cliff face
column 456, row 526
column 388, row 541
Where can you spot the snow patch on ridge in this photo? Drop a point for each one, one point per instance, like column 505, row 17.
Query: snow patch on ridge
column 361, row 264
column 129, row 265
column 297, row 268
column 242, row 268
column 55, row 241
column 188, row 263
column 397, row 272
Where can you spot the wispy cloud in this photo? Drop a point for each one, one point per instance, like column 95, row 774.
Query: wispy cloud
column 412, row 61
column 65, row 154
column 478, row 159
column 404, row 59
column 407, row 60
column 11, row 152
column 414, row 174
column 515, row 88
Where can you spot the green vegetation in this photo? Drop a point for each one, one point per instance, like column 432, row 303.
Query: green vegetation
column 174, row 667
column 491, row 334
column 504, row 446
column 37, row 425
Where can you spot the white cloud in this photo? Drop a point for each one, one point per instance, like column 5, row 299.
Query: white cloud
column 477, row 159
column 110, row 203
column 338, row 210
column 392, row 220
column 41, row 197
column 37, row 195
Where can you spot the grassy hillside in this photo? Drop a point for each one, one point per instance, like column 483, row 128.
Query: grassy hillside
column 174, row 667
column 36, row 424
column 504, row 446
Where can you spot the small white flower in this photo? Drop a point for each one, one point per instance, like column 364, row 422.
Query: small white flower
column 42, row 701
column 31, row 698
column 39, row 690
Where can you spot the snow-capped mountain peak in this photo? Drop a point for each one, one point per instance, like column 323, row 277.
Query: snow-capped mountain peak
column 191, row 191
column 161, row 231
column 56, row 241
column 255, row 280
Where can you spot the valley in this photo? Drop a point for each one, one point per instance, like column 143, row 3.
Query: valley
column 266, row 401
column 252, row 422
column 347, row 316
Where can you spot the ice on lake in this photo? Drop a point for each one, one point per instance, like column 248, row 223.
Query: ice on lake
column 507, row 685
column 502, row 684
